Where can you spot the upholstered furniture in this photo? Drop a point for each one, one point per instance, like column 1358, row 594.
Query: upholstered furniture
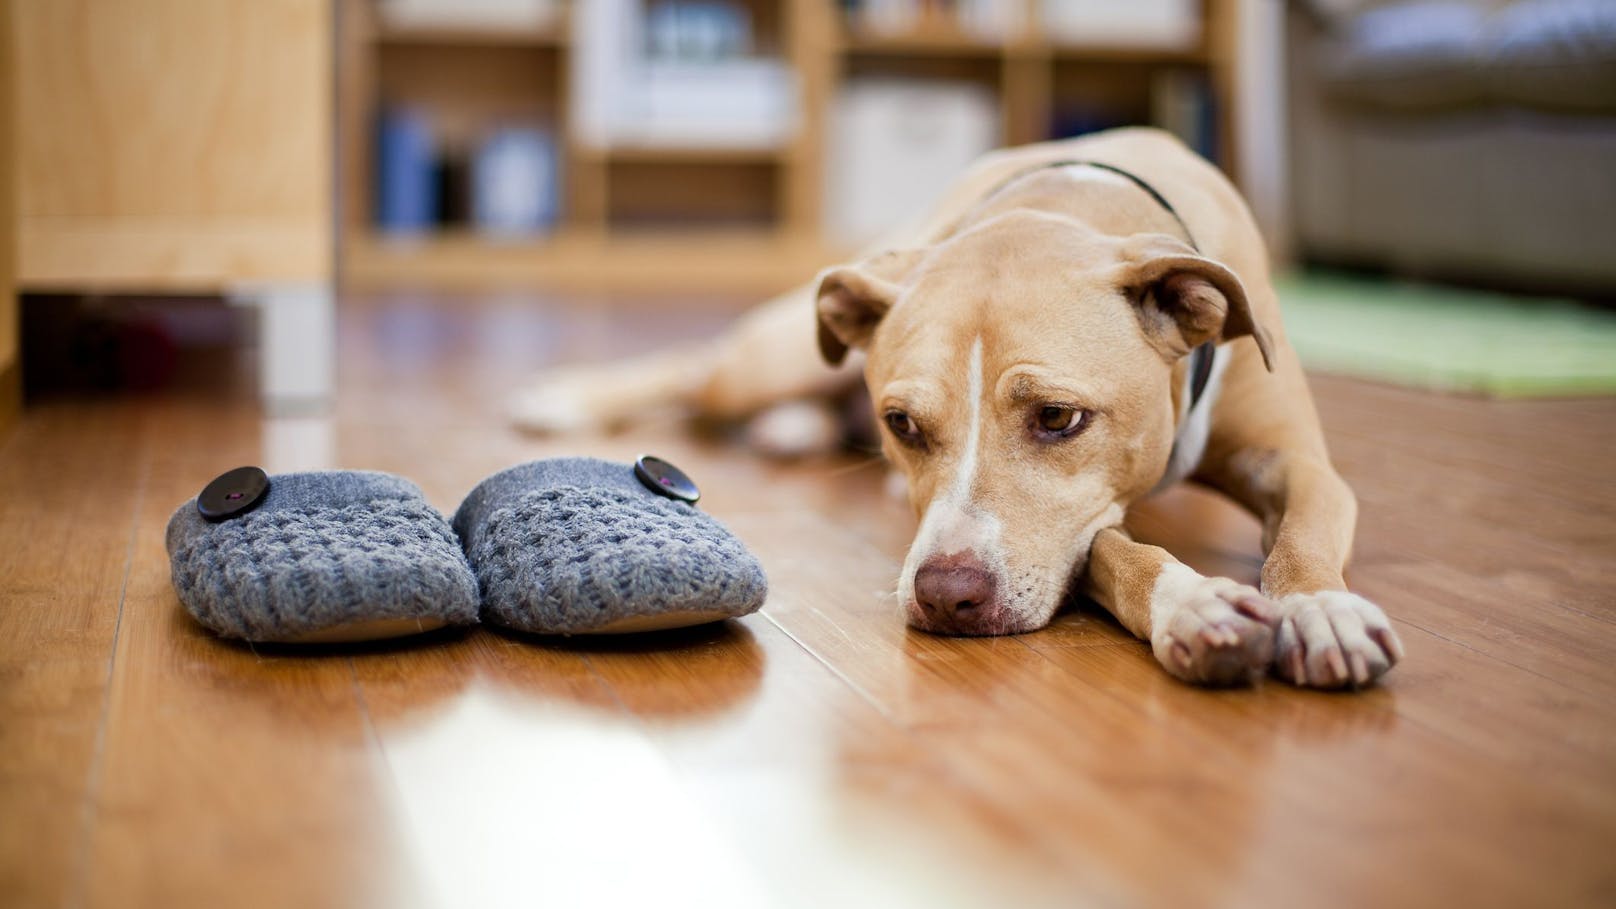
column 1474, row 140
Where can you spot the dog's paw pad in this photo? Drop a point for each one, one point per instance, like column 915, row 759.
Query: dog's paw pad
column 1333, row 639
column 1215, row 632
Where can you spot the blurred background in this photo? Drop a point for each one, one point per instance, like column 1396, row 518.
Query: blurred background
column 1436, row 178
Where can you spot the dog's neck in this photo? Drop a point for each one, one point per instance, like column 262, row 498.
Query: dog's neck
column 1101, row 200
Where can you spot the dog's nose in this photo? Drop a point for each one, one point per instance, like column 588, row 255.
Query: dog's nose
column 954, row 585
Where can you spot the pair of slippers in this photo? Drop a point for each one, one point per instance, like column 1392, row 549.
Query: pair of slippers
column 561, row 546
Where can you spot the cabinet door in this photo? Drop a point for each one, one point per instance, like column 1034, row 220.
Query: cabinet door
column 173, row 144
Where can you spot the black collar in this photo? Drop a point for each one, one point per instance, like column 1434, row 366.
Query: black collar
column 1202, row 356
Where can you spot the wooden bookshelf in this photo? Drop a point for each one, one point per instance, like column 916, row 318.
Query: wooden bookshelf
column 687, row 154
column 715, row 261
column 549, row 36
column 777, row 190
column 1152, row 56
column 942, row 41
column 10, row 317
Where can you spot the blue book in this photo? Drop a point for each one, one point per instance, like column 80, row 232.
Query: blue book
column 406, row 189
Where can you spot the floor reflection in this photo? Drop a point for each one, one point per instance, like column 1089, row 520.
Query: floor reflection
column 508, row 802
column 679, row 674
column 293, row 444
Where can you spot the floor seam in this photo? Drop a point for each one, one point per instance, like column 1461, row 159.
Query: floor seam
column 858, row 689
column 369, row 722
column 611, row 691
column 1559, row 682
column 374, row 738
column 88, row 812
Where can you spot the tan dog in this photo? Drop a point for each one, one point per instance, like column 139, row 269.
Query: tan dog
column 1032, row 352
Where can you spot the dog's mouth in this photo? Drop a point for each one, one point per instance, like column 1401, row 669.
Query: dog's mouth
column 985, row 621
column 949, row 608
column 991, row 623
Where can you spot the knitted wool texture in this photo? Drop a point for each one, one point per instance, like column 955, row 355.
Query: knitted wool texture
column 568, row 545
column 322, row 549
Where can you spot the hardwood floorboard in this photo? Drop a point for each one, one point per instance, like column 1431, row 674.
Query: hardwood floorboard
column 819, row 753
column 966, row 698
column 1571, row 556
column 1357, row 794
column 1535, row 636
column 68, row 489
column 1558, row 434
column 225, row 766
column 1518, row 495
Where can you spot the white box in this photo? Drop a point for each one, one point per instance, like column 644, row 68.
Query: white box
column 992, row 20
column 894, row 145
column 729, row 103
column 491, row 15
column 1135, row 23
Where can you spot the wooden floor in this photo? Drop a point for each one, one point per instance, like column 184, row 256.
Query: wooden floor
column 816, row 754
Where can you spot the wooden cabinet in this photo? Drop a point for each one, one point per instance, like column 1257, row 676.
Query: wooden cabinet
column 182, row 146
column 10, row 353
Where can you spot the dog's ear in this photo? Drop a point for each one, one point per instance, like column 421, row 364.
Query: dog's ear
column 852, row 299
column 1186, row 299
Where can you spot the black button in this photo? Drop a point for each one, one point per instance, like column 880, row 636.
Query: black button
column 233, row 493
column 664, row 479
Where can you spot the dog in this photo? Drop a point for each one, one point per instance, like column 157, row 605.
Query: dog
column 1076, row 324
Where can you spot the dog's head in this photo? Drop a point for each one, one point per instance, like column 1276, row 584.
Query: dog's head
column 1023, row 373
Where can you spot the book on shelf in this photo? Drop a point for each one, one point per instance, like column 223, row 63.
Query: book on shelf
column 508, row 186
column 406, row 189
column 1182, row 103
column 684, row 30
column 680, row 74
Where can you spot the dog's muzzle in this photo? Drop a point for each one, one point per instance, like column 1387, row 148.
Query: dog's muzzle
column 958, row 594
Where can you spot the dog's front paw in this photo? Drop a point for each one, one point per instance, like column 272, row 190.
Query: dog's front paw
column 1333, row 639
column 1211, row 631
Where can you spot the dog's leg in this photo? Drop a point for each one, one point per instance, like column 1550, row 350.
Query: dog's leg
column 1328, row 637
column 767, row 357
column 597, row 396
column 1211, row 631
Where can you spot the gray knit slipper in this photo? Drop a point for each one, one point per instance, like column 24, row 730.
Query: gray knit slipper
column 319, row 557
column 583, row 546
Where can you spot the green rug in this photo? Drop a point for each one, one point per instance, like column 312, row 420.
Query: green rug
column 1450, row 339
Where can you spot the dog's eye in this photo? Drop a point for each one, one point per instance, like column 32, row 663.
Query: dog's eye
column 903, row 427
column 1060, row 420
